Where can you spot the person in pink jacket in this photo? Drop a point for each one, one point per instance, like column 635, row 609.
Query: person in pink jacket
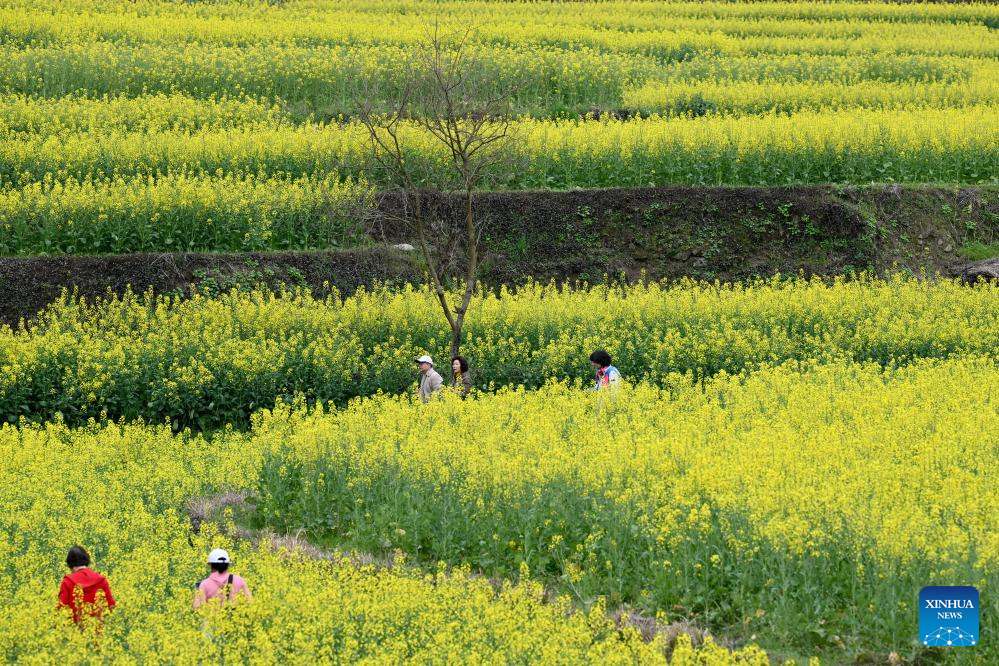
column 220, row 584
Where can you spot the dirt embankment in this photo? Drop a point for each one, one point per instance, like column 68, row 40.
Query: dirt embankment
column 709, row 233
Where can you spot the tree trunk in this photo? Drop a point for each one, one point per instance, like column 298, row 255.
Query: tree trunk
column 456, row 336
column 471, row 272
column 472, row 240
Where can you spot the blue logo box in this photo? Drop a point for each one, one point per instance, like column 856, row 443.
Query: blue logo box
column 948, row 616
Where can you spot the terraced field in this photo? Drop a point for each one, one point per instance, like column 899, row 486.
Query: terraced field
column 149, row 126
column 786, row 463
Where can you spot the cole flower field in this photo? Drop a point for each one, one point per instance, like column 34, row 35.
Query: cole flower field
column 791, row 488
column 161, row 126
column 786, row 463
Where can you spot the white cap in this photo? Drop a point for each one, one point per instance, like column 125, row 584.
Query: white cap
column 425, row 359
column 218, row 556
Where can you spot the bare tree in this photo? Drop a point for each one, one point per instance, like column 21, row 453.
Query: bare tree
column 443, row 95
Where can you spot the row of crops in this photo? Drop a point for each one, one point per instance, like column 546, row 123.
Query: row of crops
column 207, row 362
column 282, row 186
column 938, row 145
column 313, row 56
column 326, row 81
column 618, row 26
column 149, row 126
column 790, row 464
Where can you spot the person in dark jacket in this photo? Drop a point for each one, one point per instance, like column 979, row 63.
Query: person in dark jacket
column 84, row 590
column 461, row 381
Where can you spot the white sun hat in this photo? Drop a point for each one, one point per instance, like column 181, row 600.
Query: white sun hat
column 425, row 359
column 218, row 556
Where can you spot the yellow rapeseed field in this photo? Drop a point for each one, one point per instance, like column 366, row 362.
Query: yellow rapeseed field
column 825, row 496
column 121, row 490
column 792, row 454
column 798, row 496
column 786, row 463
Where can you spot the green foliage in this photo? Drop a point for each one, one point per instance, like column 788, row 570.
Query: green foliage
column 181, row 212
column 978, row 251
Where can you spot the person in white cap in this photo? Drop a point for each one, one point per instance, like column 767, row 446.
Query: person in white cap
column 431, row 382
column 220, row 584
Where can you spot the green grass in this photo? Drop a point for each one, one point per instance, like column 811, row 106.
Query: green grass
column 977, row 251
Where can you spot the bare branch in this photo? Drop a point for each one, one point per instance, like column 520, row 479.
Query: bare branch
column 443, row 96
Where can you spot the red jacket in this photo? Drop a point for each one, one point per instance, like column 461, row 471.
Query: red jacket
column 90, row 582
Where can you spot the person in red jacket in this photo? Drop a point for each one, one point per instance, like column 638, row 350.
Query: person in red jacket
column 84, row 590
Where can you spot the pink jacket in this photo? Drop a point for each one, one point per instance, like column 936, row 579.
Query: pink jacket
column 213, row 587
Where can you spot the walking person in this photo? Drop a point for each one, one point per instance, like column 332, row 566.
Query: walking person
column 431, row 382
column 607, row 375
column 84, row 590
column 220, row 584
column 461, row 381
